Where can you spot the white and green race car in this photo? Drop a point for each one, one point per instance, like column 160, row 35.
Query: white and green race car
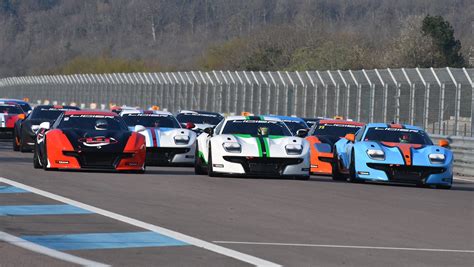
column 252, row 146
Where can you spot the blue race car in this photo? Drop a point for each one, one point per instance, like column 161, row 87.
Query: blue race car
column 293, row 123
column 393, row 153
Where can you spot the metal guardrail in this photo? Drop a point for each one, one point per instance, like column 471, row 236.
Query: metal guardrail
column 463, row 148
column 440, row 100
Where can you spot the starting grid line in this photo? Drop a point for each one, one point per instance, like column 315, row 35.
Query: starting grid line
column 153, row 228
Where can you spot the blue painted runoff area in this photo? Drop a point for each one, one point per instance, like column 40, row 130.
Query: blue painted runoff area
column 25, row 210
column 104, row 240
column 8, row 189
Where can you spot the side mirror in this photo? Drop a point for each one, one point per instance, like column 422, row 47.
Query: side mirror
column 21, row 116
column 209, row 131
column 45, row 125
column 139, row 128
column 190, row 125
column 302, row 133
column 350, row 137
column 443, row 143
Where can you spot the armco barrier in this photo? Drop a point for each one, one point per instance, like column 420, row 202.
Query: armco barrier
column 463, row 148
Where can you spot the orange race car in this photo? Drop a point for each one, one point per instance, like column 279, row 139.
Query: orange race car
column 322, row 137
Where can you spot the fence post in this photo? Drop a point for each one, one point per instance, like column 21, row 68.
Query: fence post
column 472, row 99
column 258, row 108
column 229, row 96
column 325, row 92
column 346, row 108
column 285, row 86
column 314, row 94
column 457, row 103
column 336, row 95
column 372, row 96
column 359, row 95
column 412, row 98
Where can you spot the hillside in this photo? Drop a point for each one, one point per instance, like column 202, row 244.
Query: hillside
column 45, row 36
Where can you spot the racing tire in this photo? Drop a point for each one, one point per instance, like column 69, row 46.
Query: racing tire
column 36, row 163
column 210, row 171
column 302, row 177
column 336, row 174
column 352, row 174
column 442, row 186
column 16, row 142
column 198, row 169
column 23, row 149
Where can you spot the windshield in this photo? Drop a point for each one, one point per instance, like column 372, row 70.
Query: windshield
column 93, row 122
column 331, row 129
column 151, row 120
column 47, row 113
column 256, row 127
column 199, row 118
column 295, row 125
column 10, row 110
column 25, row 106
column 396, row 135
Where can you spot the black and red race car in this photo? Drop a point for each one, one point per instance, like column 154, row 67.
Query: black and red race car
column 89, row 140
column 24, row 134
column 10, row 113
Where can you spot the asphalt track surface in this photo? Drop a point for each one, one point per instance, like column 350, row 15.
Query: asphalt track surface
column 291, row 223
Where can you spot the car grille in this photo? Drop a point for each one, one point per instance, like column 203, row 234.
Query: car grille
column 409, row 174
column 162, row 155
column 263, row 166
column 98, row 160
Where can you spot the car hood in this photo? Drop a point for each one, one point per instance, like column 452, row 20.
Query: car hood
column 91, row 140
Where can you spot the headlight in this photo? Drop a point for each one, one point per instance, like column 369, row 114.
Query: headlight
column 293, row 149
column 181, row 139
column 35, row 128
column 437, row 158
column 232, row 147
column 376, row 154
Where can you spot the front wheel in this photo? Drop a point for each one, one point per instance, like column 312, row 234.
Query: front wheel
column 36, row 160
column 198, row 169
column 336, row 174
column 352, row 171
column 16, row 142
column 442, row 186
column 210, row 170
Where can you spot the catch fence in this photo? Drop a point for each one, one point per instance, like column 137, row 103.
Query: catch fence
column 440, row 100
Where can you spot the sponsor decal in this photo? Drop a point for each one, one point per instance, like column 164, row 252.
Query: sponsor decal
column 146, row 115
column 92, row 116
column 322, row 126
column 396, row 130
column 97, row 141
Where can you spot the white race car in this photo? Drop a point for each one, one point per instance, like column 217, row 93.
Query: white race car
column 166, row 142
column 254, row 146
column 201, row 119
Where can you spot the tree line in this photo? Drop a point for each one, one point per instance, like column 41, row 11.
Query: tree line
column 69, row 36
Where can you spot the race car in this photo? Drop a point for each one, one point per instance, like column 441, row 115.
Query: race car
column 24, row 134
column 322, row 137
column 293, row 123
column 252, row 146
column 393, row 153
column 89, row 140
column 201, row 119
column 25, row 106
column 167, row 143
column 10, row 113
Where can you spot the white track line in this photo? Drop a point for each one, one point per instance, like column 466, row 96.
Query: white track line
column 16, row 241
column 343, row 246
column 176, row 235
